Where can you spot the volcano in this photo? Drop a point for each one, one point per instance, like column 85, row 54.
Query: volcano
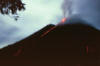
column 67, row 45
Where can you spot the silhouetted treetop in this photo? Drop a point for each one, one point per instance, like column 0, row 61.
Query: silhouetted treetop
column 11, row 6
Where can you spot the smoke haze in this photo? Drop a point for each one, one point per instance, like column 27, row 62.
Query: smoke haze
column 87, row 10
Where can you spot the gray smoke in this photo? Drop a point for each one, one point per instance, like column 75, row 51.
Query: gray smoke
column 66, row 7
column 87, row 10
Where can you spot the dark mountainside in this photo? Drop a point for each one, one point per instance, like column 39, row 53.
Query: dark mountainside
column 67, row 45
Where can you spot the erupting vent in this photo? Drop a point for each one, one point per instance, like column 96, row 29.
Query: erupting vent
column 62, row 21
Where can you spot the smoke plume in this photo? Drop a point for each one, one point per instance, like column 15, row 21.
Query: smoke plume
column 86, row 10
column 66, row 7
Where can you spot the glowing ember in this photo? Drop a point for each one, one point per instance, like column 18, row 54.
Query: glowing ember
column 63, row 20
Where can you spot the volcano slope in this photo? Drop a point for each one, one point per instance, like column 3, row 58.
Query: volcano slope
column 67, row 45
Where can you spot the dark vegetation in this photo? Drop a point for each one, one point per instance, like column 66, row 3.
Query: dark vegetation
column 11, row 7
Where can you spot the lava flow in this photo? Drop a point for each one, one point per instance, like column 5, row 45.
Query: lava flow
column 62, row 21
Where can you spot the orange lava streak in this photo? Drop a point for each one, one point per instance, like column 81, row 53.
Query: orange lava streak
column 62, row 21
column 48, row 31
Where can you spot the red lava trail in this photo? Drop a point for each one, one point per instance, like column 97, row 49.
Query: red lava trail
column 48, row 31
column 18, row 52
column 87, row 49
column 62, row 21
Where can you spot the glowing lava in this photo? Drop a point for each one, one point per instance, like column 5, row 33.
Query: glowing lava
column 52, row 28
column 63, row 20
column 48, row 31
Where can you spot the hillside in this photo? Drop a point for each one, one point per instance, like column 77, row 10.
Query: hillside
column 72, row 45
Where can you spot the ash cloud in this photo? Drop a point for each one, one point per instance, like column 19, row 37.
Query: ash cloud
column 87, row 10
column 66, row 7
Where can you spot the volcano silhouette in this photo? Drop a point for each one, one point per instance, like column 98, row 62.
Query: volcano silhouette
column 67, row 45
